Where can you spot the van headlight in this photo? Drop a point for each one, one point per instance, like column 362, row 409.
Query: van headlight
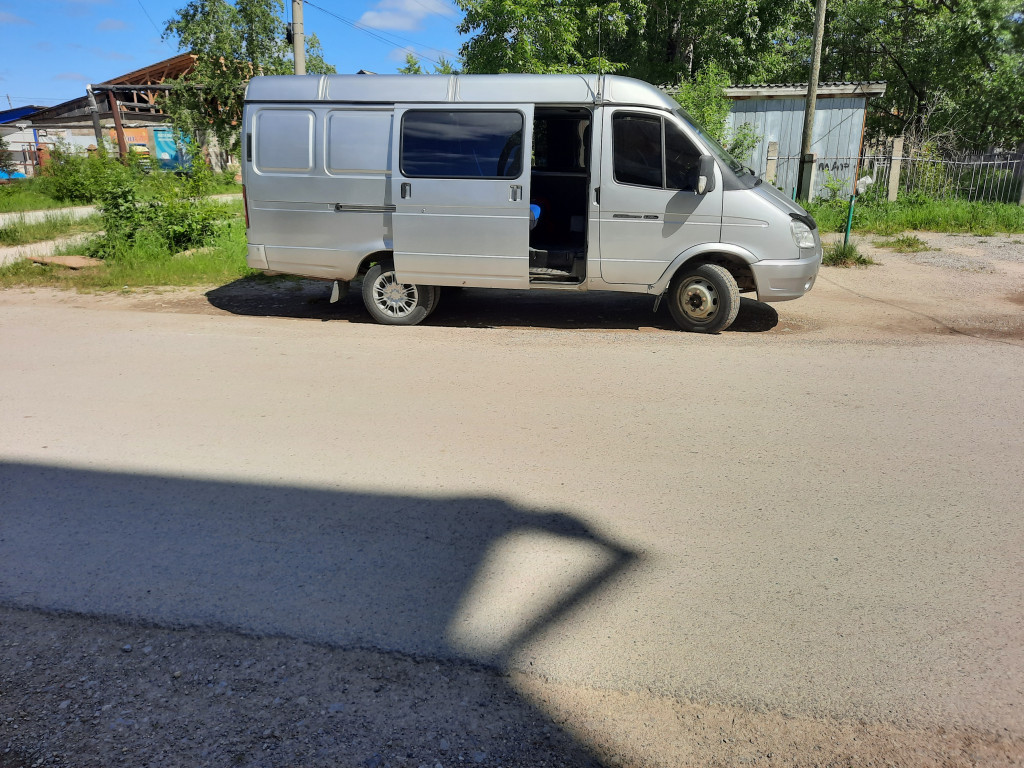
column 802, row 234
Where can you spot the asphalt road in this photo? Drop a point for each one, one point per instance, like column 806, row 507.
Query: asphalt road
column 820, row 527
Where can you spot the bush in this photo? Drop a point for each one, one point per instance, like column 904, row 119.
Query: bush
column 177, row 219
column 74, row 178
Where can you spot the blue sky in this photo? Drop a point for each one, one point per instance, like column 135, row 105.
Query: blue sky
column 49, row 49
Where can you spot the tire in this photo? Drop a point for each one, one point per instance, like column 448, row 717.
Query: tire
column 704, row 299
column 392, row 303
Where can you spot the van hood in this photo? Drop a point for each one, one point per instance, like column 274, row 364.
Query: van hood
column 779, row 200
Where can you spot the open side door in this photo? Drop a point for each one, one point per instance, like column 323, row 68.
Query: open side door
column 460, row 184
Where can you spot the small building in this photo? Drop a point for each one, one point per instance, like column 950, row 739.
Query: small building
column 777, row 114
column 130, row 100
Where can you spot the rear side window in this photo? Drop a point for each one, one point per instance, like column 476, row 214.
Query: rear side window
column 462, row 144
column 284, row 141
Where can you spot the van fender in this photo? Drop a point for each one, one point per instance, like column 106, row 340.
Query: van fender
column 696, row 252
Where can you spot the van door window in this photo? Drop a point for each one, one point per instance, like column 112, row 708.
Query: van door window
column 462, row 144
column 636, row 143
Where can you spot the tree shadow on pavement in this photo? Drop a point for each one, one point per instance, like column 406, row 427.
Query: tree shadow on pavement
column 475, row 307
column 352, row 573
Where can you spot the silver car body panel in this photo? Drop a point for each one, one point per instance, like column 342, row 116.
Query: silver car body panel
column 324, row 190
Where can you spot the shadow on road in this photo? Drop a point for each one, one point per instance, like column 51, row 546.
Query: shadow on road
column 353, row 570
column 475, row 307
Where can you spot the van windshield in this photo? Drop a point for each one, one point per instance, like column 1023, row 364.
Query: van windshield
column 712, row 143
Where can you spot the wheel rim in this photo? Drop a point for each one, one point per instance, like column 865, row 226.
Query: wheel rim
column 698, row 299
column 393, row 298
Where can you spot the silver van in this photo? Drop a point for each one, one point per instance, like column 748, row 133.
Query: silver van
column 554, row 182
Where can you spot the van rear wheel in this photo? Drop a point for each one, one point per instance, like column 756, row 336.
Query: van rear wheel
column 393, row 303
column 704, row 298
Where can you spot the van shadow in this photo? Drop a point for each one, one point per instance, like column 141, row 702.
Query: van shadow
column 396, row 573
column 476, row 307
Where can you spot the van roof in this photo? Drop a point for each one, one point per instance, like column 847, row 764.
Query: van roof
column 457, row 89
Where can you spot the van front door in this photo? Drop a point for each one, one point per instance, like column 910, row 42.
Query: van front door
column 460, row 185
column 650, row 209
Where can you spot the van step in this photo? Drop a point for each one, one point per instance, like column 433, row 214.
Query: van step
column 546, row 273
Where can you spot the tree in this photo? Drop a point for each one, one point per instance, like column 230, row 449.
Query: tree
column 232, row 42
column 954, row 68
column 544, row 35
column 413, row 66
column 7, row 164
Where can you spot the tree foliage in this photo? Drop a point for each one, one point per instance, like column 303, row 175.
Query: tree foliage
column 414, row 67
column 232, row 42
column 954, row 68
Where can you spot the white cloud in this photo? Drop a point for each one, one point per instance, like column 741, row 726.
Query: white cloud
column 10, row 18
column 405, row 15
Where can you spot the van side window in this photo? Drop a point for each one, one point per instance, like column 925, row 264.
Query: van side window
column 284, row 141
column 636, row 144
column 682, row 160
column 462, row 144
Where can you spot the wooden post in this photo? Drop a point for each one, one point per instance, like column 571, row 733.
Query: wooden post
column 771, row 166
column 894, row 168
column 808, row 172
column 122, row 145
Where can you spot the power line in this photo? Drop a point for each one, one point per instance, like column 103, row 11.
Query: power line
column 155, row 27
column 387, row 39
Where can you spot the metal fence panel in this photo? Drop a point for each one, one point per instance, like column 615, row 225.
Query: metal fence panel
column 992, row 178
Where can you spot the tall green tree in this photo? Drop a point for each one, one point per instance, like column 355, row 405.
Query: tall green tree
column 232, row 42
column 954, row 68
column 544, row 36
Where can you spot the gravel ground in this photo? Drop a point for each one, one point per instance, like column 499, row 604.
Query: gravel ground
column 80, row 692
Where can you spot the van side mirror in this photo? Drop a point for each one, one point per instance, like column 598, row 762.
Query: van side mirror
column 706, row 178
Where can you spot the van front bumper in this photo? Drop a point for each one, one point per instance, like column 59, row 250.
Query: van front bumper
column 786, row 279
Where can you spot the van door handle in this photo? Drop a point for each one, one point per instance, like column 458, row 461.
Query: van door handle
column 515, row 193
column 406, row 189
column 597, row 195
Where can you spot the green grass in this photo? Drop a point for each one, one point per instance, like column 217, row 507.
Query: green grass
column 890, row 218
column 904, row 244
column 840, row 255
column 15, row 198
column 146, row 264
column 30, row 194
column 53, row 226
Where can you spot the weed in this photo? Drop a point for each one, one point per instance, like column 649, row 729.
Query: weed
column 904, row 244
column 844, row 255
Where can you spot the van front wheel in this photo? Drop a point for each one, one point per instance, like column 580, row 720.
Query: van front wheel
column 704, row 298
column 393, row 303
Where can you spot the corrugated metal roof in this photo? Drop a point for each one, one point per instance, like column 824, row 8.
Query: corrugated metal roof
column 10, row 115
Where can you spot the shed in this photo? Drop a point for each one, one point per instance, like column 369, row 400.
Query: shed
column 777, row 112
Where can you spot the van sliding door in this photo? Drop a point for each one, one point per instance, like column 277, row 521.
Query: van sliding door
column 460, row 184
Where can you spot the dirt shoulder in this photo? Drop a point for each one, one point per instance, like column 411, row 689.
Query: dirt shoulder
column 963, row 285
column 80, row 691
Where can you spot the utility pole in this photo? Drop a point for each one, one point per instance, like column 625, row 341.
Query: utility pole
column 805, row 186
column 298, row 38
